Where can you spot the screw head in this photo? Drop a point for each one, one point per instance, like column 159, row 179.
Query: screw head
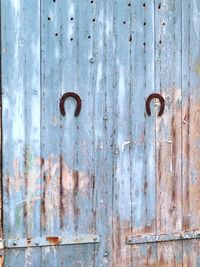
column 116, row 152
column 105, row 118
column 129, row 240
column 14, row 243
column 106, row 254
column 95, row 238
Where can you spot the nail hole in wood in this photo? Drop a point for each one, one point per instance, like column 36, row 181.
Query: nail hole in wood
column 124, row 22
column 144, row 5
column 144, row 23
column 91, row 2
column 89, row 37
column 130, row 38
column 129, row 4
column 72, row 18
column 93, row 20
column 49, row 18
column 71, row 39
column 56, row 34
column 159, row 6
column 160, row 42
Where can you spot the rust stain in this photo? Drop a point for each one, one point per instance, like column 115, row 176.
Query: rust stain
column 191, row 165
column 61, row 194
column 54, row 240
column 1, row 261
column 29, row 240
column 168, row 149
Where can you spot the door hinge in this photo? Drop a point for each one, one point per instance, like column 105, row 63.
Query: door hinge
column 48, row 241
column 149, row 238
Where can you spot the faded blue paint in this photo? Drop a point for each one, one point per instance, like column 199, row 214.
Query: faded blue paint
column 112, row 170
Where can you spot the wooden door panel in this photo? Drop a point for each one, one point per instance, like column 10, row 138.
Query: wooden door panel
column 112, row 171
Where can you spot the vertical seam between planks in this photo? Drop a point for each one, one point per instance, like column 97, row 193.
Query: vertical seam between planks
column 155, row 135
column 40, row 159
column 94, row 188
column 1, row 124
column 131, row 134
column 113, row 130
column 181, row 120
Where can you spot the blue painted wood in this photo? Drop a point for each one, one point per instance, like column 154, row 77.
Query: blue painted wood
column 21, row 118
column 143, row 183
column 190, row 124
column 168, row 128
column 112, row 170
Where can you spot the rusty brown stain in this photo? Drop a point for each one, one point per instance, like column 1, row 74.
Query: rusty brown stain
column 121, row 252
column 54, row 240
column 186, row 154
column 43, row 208
column 1, row 261
column 29, row 240
column 75, row 192
column 168, row 165
column 61, row 194
column 191, row 166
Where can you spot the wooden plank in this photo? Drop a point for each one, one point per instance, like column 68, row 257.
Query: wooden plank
column 102, row 77
column 144, row 255
column 190, row 126
column 21, row 121
column 168, row 128
column 143, row 194
column 68, row 150
column 18, row 85
column 191, row 252
column 22, row 257
column 122, row 139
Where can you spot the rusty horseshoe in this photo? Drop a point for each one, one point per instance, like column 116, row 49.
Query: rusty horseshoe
column 162, row 104
column 78, row 103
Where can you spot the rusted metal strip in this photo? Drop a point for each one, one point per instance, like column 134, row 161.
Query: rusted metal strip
column 141, row 239
column 48, row 241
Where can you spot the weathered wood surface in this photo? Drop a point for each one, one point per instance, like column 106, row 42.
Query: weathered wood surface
column 113, row 170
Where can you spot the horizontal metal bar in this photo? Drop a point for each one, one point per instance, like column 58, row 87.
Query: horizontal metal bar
column 149, row 238
column 48, row 241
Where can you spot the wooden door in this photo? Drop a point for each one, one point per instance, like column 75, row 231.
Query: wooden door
column 112, row 186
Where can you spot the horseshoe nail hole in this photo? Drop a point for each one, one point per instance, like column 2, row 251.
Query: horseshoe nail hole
column 159, row 6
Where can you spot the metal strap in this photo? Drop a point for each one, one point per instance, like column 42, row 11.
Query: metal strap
column 48, row 241
column 149, row 238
